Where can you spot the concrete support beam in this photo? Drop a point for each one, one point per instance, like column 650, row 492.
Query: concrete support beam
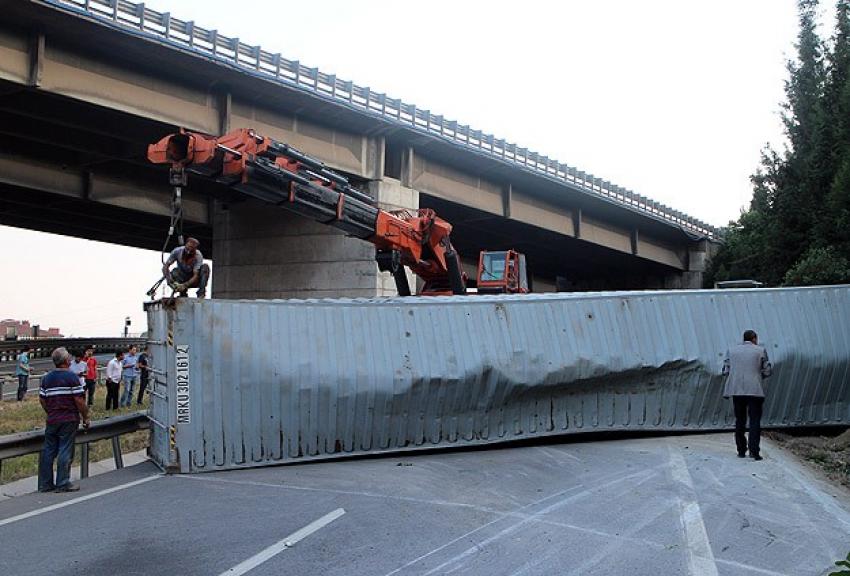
column 103, row 188
column 635, row 241
column 577, row 222
column 225, row 105
column 36, row 68
column 507, row 192
column 345, row 151
column 375, row 157
column 437, row 179
column 407, row 160
column 537, row 212
column 15, row 57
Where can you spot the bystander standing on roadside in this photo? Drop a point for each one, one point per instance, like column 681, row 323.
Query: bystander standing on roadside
column 62, row 397
column 129, row 376
column 22, row 371
column 91, row 375
column 78, row 367
column 144, row 372
column 745, row 367
column 113, row 380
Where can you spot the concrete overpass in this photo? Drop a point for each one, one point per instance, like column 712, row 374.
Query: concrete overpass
column 85, row 85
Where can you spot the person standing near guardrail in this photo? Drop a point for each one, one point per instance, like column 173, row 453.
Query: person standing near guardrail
column 745, row 367
column 62, row 397
column 78, row 367
column 113, row 380
column 130, row 375
column 144, row 372
column 22, row 371
column 91, row 375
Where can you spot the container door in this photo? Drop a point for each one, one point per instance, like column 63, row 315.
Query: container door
column 159, row 340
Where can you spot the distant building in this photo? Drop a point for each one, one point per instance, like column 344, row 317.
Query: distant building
column 11, row 329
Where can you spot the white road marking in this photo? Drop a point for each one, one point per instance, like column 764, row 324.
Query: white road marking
column 77, row 500
column 749, row 568
column 501, row 513
column 441, row 569
column 700, row 556
column 282, row 545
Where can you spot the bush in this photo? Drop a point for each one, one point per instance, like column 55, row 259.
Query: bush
column 819, row 266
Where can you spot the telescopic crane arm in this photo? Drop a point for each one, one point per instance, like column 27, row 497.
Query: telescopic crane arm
column 281, row 175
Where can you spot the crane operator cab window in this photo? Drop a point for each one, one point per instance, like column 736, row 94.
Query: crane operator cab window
column 493, row 266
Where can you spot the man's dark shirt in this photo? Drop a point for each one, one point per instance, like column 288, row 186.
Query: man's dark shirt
column 143, row 364
column 58, row 389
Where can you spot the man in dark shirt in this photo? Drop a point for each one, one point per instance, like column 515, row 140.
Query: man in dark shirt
column 63, row 398
column 144, row 377
column 190, row 272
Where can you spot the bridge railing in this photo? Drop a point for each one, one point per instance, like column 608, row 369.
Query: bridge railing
column 254, row 60
column 23, row 443
column 42, row 347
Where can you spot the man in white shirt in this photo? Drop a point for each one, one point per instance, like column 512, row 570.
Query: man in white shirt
column 113, row 380
column 79, row 367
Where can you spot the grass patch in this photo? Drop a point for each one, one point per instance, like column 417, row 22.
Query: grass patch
column 28, row 415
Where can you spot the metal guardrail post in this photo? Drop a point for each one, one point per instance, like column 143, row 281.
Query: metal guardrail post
column 116, row 452
column 84, row 460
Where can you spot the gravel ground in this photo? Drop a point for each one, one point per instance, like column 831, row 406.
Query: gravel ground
column 826, row 450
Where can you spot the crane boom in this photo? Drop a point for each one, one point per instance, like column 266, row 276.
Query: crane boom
column 279, row 174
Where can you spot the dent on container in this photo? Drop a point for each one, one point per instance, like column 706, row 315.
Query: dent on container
column 244, row 383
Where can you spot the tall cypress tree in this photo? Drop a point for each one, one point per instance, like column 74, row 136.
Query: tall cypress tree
column 805, row 181
column 836, row 209
column 797, row 228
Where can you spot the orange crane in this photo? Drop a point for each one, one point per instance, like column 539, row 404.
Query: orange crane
column 279, row 174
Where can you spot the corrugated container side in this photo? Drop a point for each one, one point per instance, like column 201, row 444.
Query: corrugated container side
column 258, row 382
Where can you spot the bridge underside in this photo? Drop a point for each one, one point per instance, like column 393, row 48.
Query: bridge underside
column 75, row 123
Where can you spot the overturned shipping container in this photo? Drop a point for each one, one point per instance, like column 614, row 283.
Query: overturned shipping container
column 250, row 383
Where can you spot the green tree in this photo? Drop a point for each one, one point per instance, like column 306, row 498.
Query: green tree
column 836, row 209
column 797, row 228
column 819, row 266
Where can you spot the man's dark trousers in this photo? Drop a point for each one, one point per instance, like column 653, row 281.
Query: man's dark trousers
column 90, row 388
column 58, row 445
column 143, row 383
column 112, row 394
column 748, row 406
column 22, row 386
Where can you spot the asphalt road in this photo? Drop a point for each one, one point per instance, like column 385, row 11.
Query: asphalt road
column 653, row 506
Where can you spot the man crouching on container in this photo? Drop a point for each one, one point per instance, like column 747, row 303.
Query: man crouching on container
column 190, row 272
column 63, row 397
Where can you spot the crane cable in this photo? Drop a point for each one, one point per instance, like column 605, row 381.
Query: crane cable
column 178, row 179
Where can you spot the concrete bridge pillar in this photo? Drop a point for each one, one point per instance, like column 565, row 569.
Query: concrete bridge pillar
column 698, row 256
column 266, row 252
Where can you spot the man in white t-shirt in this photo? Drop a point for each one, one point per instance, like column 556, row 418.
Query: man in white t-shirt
column 113, row 380
column 79, row 367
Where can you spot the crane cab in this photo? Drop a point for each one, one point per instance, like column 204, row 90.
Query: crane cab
column 502, row 273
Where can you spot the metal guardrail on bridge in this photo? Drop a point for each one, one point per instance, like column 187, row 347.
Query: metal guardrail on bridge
column 42, row 347
column 183, row 34
column 23, row 443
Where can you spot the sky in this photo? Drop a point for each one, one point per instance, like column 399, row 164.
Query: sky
column 673, row 100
